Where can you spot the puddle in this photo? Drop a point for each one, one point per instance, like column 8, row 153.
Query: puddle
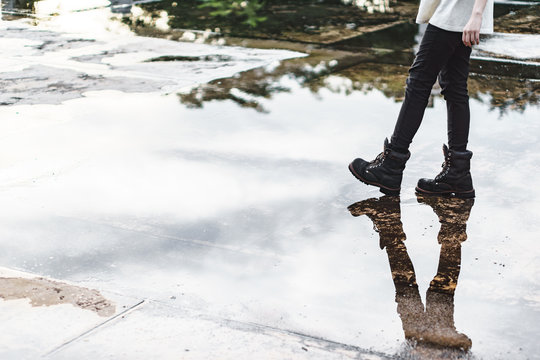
column 274, row 243
column 44, row 292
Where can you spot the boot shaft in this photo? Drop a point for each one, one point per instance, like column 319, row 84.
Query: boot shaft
column 456, row 164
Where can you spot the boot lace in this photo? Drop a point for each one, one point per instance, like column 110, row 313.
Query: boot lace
column 445, row 169
column 378, row 161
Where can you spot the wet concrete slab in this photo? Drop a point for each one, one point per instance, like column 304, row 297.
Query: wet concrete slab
column 52, row 63
column 237, row 222
column 153, row 332
column 41, row 315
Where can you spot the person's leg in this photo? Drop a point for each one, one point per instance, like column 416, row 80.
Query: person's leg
column 455, row 177
column 453, row 81
column 436, row 48
column 386, row 171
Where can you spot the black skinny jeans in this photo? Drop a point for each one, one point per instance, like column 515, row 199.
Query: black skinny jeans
column 442, row 54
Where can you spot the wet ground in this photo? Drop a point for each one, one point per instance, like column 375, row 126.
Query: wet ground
column 168, row 199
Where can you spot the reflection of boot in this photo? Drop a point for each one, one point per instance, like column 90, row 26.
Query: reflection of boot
column 453, row 214
column 411, row 311
column 385, row 172
column 385, row 213
column 440, row 322
column 455, row 177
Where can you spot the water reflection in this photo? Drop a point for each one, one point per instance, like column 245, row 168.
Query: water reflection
column 375, row 60
column 121, row 6
column 503, row 94
column 14, row 9
column 371, row 5
column 280, row 16
column 431, row 326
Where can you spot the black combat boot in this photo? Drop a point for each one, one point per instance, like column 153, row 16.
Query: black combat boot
column 386, row 171
column 454, row 179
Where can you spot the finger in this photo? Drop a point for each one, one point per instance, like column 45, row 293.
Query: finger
column 466, row 38
column 477, row 37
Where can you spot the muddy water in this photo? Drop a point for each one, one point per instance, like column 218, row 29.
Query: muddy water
column 44, row 292
column 232, row 199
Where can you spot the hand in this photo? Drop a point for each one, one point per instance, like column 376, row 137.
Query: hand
column 471, row 32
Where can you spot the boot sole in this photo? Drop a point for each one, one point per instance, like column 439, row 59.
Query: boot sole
column 385, row 190
column 459, row 194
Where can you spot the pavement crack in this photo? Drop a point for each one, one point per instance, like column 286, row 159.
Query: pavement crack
column 91, row 330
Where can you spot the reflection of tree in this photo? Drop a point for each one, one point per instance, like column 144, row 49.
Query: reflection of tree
column 255, row 84
column 12, row 9
column 18, row 4
column 525, row 21
column 504, row 94
column 249, row 87
column 371, row 5
column 305, row 16
column 434, row 325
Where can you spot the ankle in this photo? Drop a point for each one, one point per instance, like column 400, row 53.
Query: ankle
column 461, row 148
column 399, row 149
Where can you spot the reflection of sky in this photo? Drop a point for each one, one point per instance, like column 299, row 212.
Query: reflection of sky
column 245, row 213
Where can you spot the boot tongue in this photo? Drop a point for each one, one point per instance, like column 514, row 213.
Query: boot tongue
column 445, row 150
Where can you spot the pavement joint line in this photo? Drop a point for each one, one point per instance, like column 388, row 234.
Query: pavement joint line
column 330, row 344
column 87, row 332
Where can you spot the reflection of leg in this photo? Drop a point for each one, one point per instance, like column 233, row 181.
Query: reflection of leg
column 453, row 81
column 440, row 298
column 436, row 48
column 445, row 280
column 400, row 264
column 453, row 214
column 385, row 213
column 409, row 303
